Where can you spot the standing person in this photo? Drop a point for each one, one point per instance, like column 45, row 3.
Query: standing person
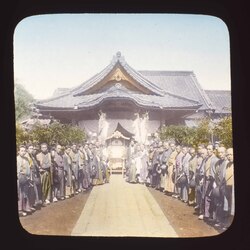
column 23, row 177
column 166, row 153
column 209, row 172
column 169, row 184
column 138, row 162
column 160, row 167
column 150, row 164
column 82, row 169
column 36, row 188
column 59, row 167
column 228, row 191
column 177, row 168
column 74, row 155
column 192, row 169
column 144, row 164
column 87, row 168
column 184, row 172
column 68, row 173
column 199, row 178
column 219, row 186
column 45, row 168
column 130, row 153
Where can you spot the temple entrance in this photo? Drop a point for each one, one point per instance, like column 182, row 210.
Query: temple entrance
column 117, row 145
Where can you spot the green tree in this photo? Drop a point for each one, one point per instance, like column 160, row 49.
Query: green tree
column 22, row 136
column 223, row 131
column 22, row 100
column 55, row 132
column 180, row 133
column 203, row 132
column 186, row 135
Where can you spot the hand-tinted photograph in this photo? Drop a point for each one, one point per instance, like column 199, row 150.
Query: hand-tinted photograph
column 123, row 125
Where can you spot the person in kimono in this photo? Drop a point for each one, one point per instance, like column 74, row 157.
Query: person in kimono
column 132, row 171
column 97, row 176
column 144, row 164
column 23, row 178
column 87, row 168
column 45, row 167
column 166, row 153
column 74, row 155
column 58, row 160
column 192, row 169
column 209, row 171
column 150, row 164
column 177, row 169
column 68, row 173
column 82, row 162
column 219, row 187
column 229, row 207
column 169, row 184
column 138, row 162
column 36, row 188
column 130, row 153
column 184, row 175
column 199, row 178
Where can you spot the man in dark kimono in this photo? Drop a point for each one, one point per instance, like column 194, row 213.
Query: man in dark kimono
column 229, row 205
column 176, row 171
column 184, row 175
column 199, row 179
column 59, row 192
column 36, row 187
column 166, row 153
column 209, row 172
column 74, row 155
column 219, row 186
column 151, row 151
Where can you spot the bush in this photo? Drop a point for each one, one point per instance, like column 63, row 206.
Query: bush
column 223, row 131
column 202, row 134
column 55, row 132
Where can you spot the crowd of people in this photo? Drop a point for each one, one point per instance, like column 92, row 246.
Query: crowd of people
column 51, row 174
column 202, row 177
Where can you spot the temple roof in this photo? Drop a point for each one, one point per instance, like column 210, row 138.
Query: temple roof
column 221, row 100
column 168, row 101
column 183, row 83
column 148, row 89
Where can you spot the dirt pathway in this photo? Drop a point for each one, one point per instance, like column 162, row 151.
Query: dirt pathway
column 122, row 209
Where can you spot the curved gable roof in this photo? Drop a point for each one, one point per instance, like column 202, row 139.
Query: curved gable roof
column 118, row 62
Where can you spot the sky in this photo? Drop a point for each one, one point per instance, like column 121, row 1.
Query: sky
column 64, row 50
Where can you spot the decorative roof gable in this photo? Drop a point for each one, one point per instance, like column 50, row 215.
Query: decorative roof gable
column 118, row 71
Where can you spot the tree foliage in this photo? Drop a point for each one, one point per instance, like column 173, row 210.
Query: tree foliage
column 202, row 134
column 22, row 100
column 53, row 133
column 223, row 130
